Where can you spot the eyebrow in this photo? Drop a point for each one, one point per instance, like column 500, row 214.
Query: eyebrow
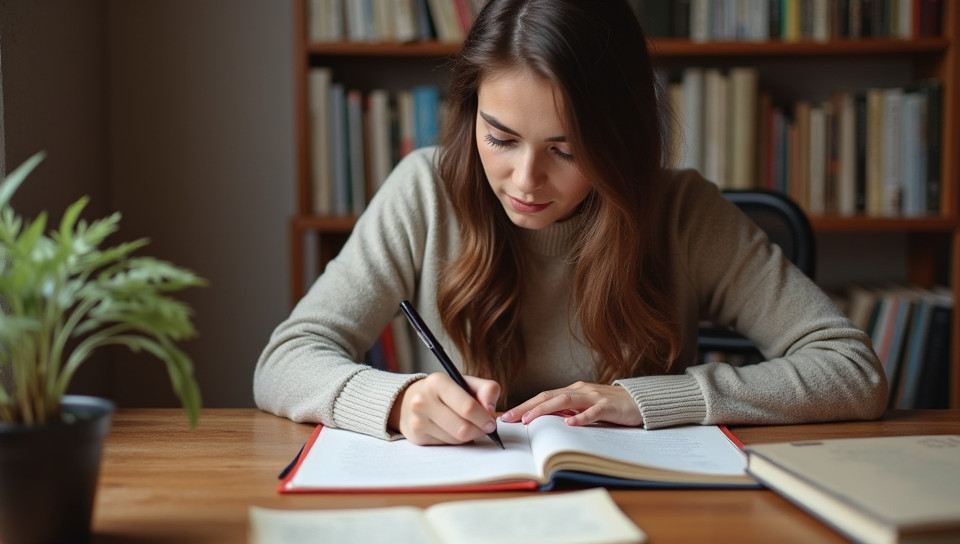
column 500, row 126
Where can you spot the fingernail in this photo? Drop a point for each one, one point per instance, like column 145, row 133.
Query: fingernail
column 524, row 417
column 507, row 416
column 490, row 427
column 491, row 408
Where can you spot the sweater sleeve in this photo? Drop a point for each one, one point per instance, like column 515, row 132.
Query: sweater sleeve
column 818, row 366
column 309, row 370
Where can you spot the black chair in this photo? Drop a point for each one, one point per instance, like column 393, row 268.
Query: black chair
column 787, row 226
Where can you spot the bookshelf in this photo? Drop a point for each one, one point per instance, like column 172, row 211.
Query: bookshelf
column 932, row 241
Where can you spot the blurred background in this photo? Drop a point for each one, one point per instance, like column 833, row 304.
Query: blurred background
column 178, row 114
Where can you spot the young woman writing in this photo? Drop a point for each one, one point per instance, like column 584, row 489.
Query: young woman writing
column 560, row 262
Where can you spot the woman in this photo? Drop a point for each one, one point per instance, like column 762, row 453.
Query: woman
column 545, row 242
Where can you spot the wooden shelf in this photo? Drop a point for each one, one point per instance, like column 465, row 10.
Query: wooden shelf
column 344, row 224
column 324, row 223
column 672, row 48
column 686, row 48
column 883, row 224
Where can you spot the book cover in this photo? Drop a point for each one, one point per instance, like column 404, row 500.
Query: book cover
column 340, row 149
column 426, row 110
column 743, row 125
column 934, row 386
column 321, row 170
column 357, row 154
column 692, row 116
column 891, row 151
column 716, row 127
column 872, row 490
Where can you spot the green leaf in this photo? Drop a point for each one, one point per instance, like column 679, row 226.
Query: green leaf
column 12, row 182
column 62, row 297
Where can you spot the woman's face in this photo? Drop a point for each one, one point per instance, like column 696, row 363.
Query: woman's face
column 524, row 150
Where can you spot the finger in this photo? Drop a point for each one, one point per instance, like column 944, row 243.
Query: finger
column 487, row 392
column 419, row 407
column 592, row 414
column 514, row 414
column 464, row 419
column 561, row 401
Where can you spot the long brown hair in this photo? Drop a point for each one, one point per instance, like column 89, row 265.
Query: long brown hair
column 596, row 54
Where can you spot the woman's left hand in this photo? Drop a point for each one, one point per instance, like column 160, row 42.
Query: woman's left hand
column 581, row 403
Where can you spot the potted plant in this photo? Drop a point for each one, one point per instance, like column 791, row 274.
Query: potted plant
column 62, row 298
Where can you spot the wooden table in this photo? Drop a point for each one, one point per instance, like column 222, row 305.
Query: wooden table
column 161, row 482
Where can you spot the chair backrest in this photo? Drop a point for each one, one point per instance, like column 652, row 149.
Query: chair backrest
column 784, row 222
column 787, row 226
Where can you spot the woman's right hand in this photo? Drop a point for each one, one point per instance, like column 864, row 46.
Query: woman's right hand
column 435, row 410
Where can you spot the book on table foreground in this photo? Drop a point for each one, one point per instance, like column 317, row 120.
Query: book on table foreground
column 545, row 454
column 873, row 490
column 578, row 517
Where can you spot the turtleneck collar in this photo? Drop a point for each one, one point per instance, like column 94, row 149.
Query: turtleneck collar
column 551, row 241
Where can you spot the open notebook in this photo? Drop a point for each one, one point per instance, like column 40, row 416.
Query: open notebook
column 542, row 455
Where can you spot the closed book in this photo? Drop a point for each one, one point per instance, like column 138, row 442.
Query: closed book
column 321, row 167
column 405, row 25
column 446, row 22
column 817, row 203
column 876, row 490
column 743, row 122
column 913, row 164
column 716, row 128
column 340, row 149
column 933, row 90
column 873, row 166
column 358, row 152
column 379, row 146
column 426, row 108
column 692, row 116
column 933, row 390
column 846, row 168
column 700, row 17
column 891, row 151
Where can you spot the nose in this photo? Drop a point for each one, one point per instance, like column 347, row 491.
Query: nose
column 530, row 173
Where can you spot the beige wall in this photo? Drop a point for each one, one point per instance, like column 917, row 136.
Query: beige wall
column 177, row 113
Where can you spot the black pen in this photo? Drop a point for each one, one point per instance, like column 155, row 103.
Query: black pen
column 431, row 341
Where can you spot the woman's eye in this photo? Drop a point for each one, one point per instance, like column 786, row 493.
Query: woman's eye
column 565, row 156
column 496, row 142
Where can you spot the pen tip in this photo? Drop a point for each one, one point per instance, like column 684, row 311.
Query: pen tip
column 496, row 439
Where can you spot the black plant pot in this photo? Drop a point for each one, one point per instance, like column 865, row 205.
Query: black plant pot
column 48, row 474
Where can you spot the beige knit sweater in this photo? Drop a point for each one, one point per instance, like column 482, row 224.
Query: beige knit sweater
column 819, row 368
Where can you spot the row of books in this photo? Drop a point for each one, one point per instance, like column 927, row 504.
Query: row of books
column 789, row 20
column 393, row 350
column 390, row 20
column 357, row 138
column 875, row 152
column 910, row 330
column 908, row 326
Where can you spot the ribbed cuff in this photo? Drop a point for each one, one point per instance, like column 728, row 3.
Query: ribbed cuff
column 665, row 401
column 365, row 402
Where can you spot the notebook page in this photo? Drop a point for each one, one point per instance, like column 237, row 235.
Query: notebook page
column 346, row 460
column 396, row 525
column 700, row 449
column 568, row 518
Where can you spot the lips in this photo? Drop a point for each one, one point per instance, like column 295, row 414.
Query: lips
column 527, row 207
